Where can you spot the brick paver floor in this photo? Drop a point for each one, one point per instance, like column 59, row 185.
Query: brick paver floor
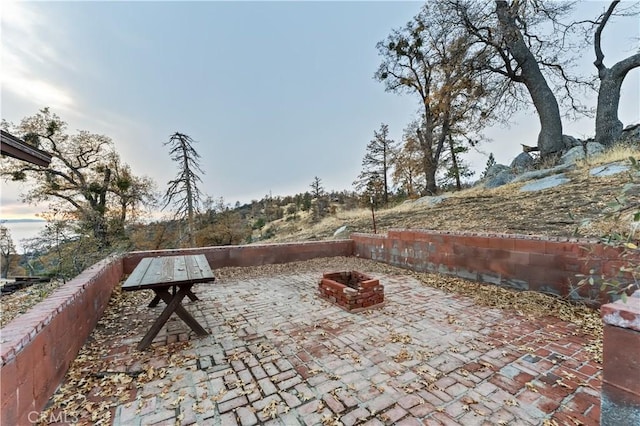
column 280, row 355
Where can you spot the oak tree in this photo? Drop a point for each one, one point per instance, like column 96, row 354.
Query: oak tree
column 7, row 248
column 407, row 165
column 608, row 125
column 82, row 174
column 524, row 46
column 430, row 58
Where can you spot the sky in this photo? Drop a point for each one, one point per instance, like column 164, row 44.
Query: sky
column 273, row 93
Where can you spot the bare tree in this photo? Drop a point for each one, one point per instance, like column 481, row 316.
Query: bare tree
column 522, row 43
column 183, row 191
column 608, row 125
column 376, row 163
column 317, row 192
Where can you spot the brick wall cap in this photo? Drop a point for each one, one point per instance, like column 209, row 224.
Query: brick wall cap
column 621, row 314
column 171, row 252
column 490, row 234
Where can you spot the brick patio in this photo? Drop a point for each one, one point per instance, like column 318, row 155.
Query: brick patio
column 278, row 354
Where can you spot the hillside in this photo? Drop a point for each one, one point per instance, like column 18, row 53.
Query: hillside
column 580, row 207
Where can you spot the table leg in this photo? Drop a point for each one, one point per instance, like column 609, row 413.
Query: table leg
column 173, row 305
column 192, row 296
column 157, row 299
column 182, row 312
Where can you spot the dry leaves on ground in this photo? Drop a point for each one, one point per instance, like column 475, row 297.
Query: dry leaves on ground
column 92, row 389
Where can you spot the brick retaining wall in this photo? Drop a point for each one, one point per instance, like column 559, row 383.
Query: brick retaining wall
column 252, row 255
column 523, row 262
column 38, row 346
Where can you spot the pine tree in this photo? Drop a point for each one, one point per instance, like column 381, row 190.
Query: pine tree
column 490, row 163
column 376, row 165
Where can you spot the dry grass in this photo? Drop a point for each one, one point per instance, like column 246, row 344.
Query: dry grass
column 580, row 207
column 618, row 153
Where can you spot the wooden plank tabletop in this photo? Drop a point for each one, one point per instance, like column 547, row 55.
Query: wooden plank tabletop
column 169, row 270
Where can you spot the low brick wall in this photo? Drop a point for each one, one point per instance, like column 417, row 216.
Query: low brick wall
column 620, row 398
column 252, row 255
column 38, row 346
column 548, row 265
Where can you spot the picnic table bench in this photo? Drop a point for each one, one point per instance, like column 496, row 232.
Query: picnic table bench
column 162, row 274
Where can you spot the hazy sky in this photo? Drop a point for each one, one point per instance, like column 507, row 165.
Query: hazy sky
column 275, row 93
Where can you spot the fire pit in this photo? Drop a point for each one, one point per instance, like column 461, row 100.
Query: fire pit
column 351, row 290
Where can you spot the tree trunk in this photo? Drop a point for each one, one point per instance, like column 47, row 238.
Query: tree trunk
column 100, row 231
column 429, row 169
column 454, row 164
column 385, row 172
column 426, row 144
column 608, row 125
column 430, row 177
column 550, row 136
column 6, row 260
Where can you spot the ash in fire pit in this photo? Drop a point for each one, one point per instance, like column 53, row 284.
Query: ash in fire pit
column 352, row 290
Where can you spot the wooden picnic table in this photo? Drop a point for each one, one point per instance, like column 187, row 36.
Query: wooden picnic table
column 162, row 274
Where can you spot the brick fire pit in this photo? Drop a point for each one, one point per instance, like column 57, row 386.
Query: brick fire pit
column 351, row 290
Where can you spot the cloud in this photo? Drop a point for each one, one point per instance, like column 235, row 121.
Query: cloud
column 25, row 50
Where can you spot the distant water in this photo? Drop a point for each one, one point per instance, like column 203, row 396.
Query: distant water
column 23, row 230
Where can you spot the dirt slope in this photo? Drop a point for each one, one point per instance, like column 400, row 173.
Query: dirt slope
column 580, row 205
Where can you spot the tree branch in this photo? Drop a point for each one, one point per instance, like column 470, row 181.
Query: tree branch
column 598, row 36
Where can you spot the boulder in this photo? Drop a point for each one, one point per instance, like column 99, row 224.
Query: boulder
column 631, row 135
column 495, row 169
column 523, row 162
column 342, row 232
column 539, row 174
column 608, row 169
column 545, row 183
column 578, row 152
column 499, row 179
column 570, row 142
column 431, row 200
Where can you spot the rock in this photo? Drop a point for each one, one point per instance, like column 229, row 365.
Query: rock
column 539, row 174
column 523, row 162
column 578, row 153
column 570, row 142
column 608, row 169
column 545, row 183
column 495, row 169
column 342, row 232
column 431, row 200
column 502, row 178
column 630, row 135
